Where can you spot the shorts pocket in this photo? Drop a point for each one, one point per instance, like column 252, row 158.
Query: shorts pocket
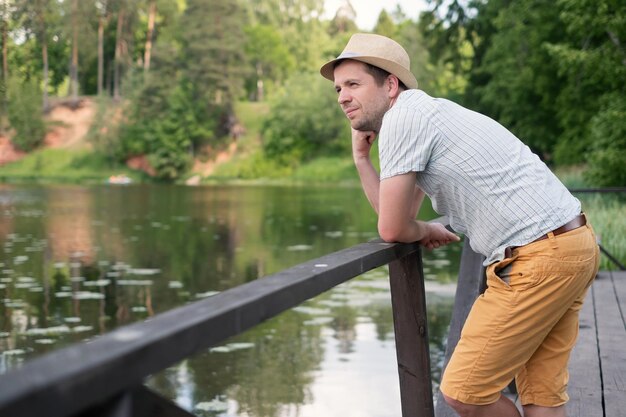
column 494, row 278
column 520, row 272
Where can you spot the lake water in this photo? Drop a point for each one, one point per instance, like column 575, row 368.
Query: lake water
column 79, row 261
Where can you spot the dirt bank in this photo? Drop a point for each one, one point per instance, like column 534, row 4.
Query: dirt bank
column 68, row 128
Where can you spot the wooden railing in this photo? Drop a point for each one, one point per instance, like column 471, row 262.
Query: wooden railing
column 104, row 377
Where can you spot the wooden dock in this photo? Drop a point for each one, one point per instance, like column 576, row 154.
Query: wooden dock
column 597, row 385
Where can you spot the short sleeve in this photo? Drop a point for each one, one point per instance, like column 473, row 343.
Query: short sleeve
column 406, row 142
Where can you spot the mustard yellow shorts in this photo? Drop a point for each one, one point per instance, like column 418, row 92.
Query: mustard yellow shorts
column 526, row 328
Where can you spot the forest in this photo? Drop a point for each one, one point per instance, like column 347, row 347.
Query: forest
column 170, row 75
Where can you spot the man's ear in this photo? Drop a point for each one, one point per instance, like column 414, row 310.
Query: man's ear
column 393, row 86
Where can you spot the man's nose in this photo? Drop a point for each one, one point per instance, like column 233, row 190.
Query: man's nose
column 343, row 97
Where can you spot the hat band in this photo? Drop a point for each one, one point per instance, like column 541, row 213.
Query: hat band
column 348, row 54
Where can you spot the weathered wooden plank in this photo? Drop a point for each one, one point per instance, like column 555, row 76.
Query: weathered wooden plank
column 471, row 284
column 612, row 345
column 411, row 332
column 71, row 379
column 619, row 282
column 585, row 382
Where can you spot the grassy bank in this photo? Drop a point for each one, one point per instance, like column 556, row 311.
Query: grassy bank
column 606, row 213
column 58, row 165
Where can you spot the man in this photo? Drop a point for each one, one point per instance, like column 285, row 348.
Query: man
column 541, row 254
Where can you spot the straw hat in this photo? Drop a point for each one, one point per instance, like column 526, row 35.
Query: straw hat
column 376, row 50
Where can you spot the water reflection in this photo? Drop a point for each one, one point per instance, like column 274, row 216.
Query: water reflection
column 80, row 261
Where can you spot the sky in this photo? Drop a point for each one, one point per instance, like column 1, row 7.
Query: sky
column 367, row 11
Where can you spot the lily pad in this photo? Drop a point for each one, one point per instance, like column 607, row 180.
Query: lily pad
column 206, row 294
column 213, row 405
column 144, row 271
column 87, row 295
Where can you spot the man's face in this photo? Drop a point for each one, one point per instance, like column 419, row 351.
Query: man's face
column 362, row 100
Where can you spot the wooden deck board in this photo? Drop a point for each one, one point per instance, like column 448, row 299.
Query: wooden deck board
column 585, row 383
column 611, row 342
column 619, row 282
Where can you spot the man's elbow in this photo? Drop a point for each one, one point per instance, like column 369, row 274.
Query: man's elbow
column 389, row 233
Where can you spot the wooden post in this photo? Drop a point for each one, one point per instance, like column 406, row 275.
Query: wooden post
column 411, row 329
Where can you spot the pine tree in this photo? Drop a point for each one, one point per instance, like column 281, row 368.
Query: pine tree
column 213, row 52
column 385, row 26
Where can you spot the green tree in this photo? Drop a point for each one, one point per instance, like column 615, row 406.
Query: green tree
column 164, row 121
column 186, row 98
column 269, row 57
column 24, row 111
column 385, row 25
column 607, row 159
column 102, row 43
column 547, row 84
column 103, row 9
column 35, row 19
column 451, row 24
column 213, row 52
column 41, row 54
column 305, row 121
column 298, row 22
column 436, row 78
column 523, row 80
column 74, row 60
column 7, row 11
column 152, row 12
column 592, row 59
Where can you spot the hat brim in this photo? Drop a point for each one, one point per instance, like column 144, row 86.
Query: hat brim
column 328, row 70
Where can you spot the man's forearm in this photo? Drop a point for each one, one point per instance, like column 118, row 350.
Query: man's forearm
column 370, row 181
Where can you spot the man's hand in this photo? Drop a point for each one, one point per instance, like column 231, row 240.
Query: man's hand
column 362, row 143
column 437, row 235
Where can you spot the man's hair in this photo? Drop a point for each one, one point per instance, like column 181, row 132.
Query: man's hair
column 379, row 74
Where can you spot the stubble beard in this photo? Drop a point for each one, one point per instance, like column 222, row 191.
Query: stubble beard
column 370, row 121
column 367, row 125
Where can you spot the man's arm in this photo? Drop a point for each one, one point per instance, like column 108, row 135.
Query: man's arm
column 396, row 200
column 361, row 146
column 395, row 224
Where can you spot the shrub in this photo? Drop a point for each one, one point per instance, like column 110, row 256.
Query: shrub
column 25, row 114
column 305, row 122
column 607, row 160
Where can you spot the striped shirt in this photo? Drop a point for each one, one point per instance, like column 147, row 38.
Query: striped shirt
column 486, row 181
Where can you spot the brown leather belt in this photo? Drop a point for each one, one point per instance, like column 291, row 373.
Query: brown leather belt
column 575, row 223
